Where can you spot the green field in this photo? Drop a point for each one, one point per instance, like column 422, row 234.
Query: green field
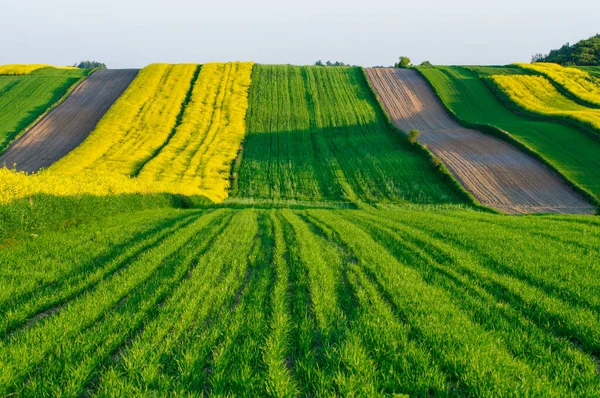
column 318, row 134
column 413, row 300
column 344, row 263
column 571, row 151
column 24, row 98
column 594, row 70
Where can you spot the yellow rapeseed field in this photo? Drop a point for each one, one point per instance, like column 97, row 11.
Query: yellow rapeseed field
column 140, row 146
column 206, row 142
column 536, row 94
column 25, row 69
column 135, row 126
column 16, row 185
column 579, row 83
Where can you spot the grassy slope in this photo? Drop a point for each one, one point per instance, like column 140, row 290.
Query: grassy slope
column 177, row 128
column 572, row 152
column 400, row 301
column 24, row 98
column 317, row 134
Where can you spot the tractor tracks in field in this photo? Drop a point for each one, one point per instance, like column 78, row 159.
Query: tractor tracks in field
column 496, row 173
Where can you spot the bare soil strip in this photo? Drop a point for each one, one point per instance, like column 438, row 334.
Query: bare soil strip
column 66, row 126
column 496, row 173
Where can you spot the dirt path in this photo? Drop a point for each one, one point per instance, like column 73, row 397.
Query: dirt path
column 496, row 173
column 66, row 126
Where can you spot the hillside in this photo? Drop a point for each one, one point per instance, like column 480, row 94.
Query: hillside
column 236, row 229
column 318, row 134
column 315, row 302
column 574, row 153
column 25, row 97
column 499, row 175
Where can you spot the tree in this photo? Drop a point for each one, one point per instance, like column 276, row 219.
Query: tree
column 404, row 62
column 426, row 63
column 413, row 135
column 584, row 53
column 91, row 65
column 319, row 63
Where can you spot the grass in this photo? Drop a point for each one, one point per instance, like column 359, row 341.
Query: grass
column 573, row 153
column 578, row 84
column 23, row 99
column 318, row 134
column 399, row 300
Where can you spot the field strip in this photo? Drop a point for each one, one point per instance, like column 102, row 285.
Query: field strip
column 538, row 96
column 495, row 172
column 66, row 126
column 581, row 85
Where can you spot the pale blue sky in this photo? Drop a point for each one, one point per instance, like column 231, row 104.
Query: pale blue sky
column 134, row 33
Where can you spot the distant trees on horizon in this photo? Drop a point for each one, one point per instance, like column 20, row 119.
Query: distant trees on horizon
column 583, row 53
column 90, row 65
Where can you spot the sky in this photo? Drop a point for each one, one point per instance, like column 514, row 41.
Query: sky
column 134, row 33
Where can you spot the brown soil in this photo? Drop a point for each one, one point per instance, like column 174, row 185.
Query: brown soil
column 498, row 174
column 66, row 126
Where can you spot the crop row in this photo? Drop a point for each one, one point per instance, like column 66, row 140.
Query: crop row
column 25, row 98
column 311, row 302
column 575, row 154
column 537, row 95
column 176, row 129
column 318, row 134
column 578, row 83
column 205, row 143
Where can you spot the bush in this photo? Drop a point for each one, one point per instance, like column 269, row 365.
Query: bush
column 413, row 135
column 404, row 62
column 426, row 63
column 91, row 65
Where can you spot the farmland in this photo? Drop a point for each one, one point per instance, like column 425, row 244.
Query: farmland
column 309, row 302
column 235, row 229
column 536, row 95
column 25, row 98
column 21, row 69
column 122, row 141
column 206, row 142
column 67, row 125
column 579, row 84
column 499, row 175
column 317, row 134
column 575, row 154
column 177, row 128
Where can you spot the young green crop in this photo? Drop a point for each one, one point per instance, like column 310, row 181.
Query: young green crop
column 400, row 300
column 318, row 134
column 571, row 151
column 23, row 99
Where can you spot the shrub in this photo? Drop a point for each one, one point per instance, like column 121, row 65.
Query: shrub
column 413, row 135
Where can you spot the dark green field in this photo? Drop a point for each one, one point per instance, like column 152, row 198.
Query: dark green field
column 318, row 134
column 571, row 151
column 24, row 98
